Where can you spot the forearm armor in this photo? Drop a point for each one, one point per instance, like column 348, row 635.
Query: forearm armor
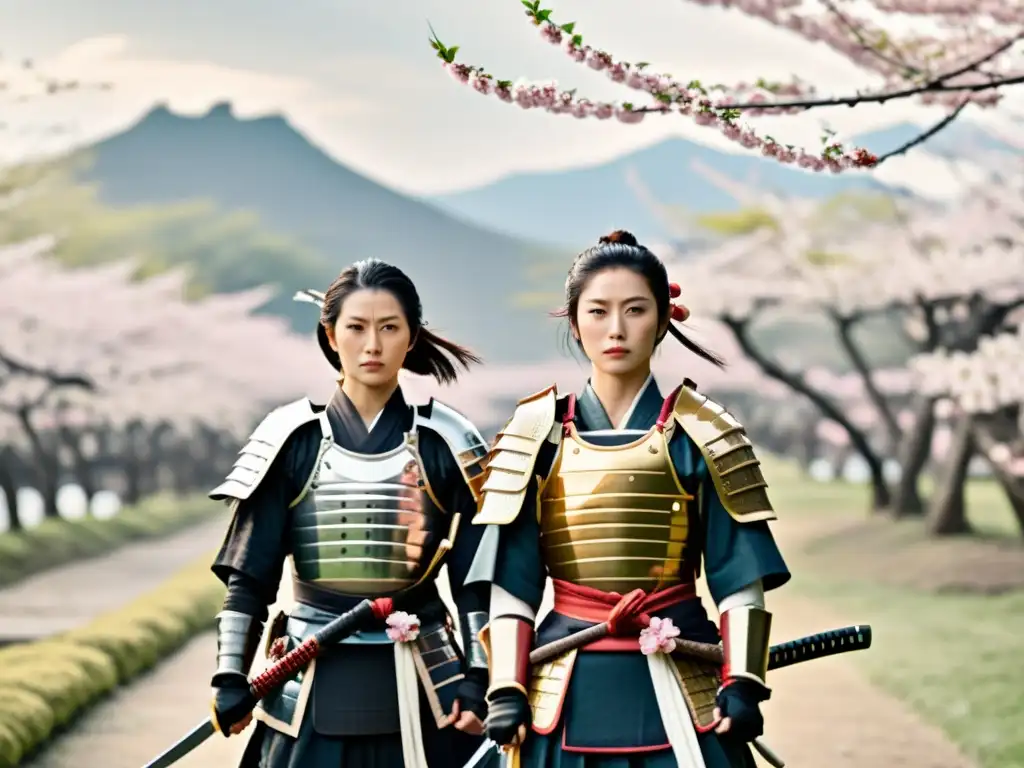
column 472, row 624
column 745, row 641
column 238, row 636
column 510, row 639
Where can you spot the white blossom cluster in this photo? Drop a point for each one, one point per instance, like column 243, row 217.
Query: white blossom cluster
column 151, row 354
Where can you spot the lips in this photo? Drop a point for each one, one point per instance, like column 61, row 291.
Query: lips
column 616, row 351
column 372, row 365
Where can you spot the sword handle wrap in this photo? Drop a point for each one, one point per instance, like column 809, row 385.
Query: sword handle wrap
column 293, row 663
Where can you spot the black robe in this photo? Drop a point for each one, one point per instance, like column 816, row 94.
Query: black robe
column 251, row 563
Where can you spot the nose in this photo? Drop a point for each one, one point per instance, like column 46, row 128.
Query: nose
column 617, row 326
column 373, row 343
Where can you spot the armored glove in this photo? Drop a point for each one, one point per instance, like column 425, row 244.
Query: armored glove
column 472, row 693
column 508, row 711
column 740, row 702
column 232, row 702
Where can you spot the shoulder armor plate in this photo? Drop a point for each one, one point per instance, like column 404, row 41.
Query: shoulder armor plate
column 462, row 438
column 735, row 470
column 262, row 447
column 510, row 463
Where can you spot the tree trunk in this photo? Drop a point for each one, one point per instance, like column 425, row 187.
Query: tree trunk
column 988, row 432
column 9, row 486
column 913, row 456
column 83, row 469
column 880, row 498
column 45, row 463
column 947, row 513
column 844, row 328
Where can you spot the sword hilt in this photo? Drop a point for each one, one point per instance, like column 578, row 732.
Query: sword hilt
column 855, row 638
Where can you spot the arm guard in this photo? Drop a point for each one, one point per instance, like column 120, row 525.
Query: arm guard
column 508, row 639
column 472, row 624
column 263, row 446
column 722, row 441
column 746, row 630
column 512, row 460
column 238, row 635
column 463, row 439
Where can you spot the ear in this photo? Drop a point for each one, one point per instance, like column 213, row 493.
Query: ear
column 414, row 339
column 329, row 330
column 574, row 330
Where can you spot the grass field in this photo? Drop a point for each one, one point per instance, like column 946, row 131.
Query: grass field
column 955, row 657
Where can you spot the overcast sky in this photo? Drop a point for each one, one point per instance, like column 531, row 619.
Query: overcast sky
column 359, row 79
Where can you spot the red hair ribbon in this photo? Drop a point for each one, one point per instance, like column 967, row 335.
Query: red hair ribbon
column 679, row 311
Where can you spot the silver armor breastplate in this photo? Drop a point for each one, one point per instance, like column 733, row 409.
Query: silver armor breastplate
column 367, row 527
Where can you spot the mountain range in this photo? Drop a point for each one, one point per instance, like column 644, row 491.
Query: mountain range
column 488, row 261
column 653, row 191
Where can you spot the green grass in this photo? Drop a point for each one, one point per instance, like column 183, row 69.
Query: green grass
column 955, row 659
column 57, row 542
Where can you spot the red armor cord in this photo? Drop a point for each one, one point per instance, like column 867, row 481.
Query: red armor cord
column 277, row 675
column 570, row 414
column 666, row 408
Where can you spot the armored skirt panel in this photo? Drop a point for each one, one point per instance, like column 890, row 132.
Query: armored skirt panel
column 615, row 518
column 368, row 525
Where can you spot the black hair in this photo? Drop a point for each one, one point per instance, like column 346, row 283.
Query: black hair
column 429, row 353
column 620, row 249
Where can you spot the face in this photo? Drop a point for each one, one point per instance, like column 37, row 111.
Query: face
column 371, row 337
column 617, row 321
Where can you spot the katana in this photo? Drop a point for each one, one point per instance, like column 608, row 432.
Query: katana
column 283, row 670
column 817, row 646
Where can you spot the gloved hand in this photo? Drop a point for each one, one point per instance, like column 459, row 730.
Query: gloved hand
column 738, row 706
column 232, row 703
column 508, row 716
column 470, row 702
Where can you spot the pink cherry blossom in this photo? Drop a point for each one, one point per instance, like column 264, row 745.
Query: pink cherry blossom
column 403, row 627
column 658, row 637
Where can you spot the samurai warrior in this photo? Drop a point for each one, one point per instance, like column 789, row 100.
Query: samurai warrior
column 367, row 495
column 621, row 496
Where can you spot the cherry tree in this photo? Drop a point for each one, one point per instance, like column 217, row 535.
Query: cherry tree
column 96, row 364
column 952, row 274
column 964, row 53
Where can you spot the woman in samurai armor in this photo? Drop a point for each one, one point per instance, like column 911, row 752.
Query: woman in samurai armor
column 619, row 495
column 366, row 495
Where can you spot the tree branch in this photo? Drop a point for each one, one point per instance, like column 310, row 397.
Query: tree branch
column 923, row 137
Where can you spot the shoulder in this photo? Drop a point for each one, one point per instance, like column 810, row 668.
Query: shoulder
column 266, row 442
column 731, row 461
column 460, row 435
column 512, row 459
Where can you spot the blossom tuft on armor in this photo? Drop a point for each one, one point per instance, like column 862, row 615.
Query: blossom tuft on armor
column 658, row 637
column 403, row 627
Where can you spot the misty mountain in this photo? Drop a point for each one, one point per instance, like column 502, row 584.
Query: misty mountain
column 265, row 167
column 573, row 208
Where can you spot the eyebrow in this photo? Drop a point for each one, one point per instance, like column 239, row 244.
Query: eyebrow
column 627, row 301
column 388, row 319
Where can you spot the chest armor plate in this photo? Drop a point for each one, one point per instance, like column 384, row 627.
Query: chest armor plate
column 367, row 527
column 615, row 518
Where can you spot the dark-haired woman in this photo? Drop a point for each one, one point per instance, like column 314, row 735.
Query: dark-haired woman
column 619, row 495
column 360, row 494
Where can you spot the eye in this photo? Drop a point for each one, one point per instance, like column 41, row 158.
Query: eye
column 389, row 327
column 597, row 311
column 635, row 310
column 354, row 327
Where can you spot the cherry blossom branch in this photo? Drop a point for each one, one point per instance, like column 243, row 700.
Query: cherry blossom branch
column 693, row 102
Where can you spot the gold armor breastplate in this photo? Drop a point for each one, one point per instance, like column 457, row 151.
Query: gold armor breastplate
column 364, row 527
column 615, row 517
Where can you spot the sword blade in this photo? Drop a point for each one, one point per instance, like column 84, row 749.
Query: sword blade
column 481, row 754
column 193, row 739
column 830, row 643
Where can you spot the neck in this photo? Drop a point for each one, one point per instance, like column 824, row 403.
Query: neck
column 368, row 401
column 617, row 392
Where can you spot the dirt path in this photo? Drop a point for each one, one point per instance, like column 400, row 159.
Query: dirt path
column 821, row 714
column 63, row 598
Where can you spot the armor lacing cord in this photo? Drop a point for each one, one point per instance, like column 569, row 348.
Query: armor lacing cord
column 570, row 414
